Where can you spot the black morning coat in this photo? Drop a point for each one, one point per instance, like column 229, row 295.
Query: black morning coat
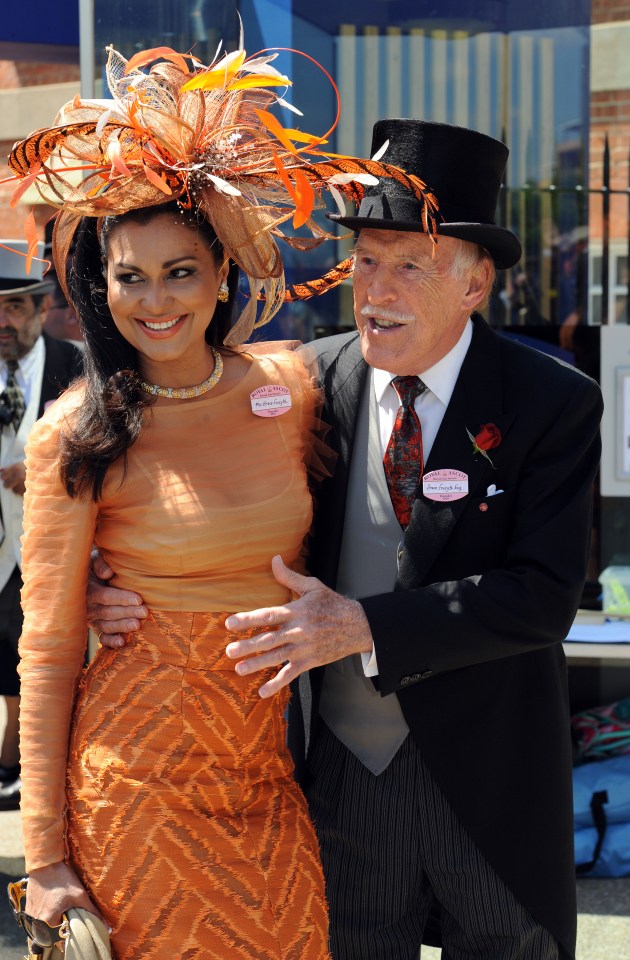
column 487, row 587
column 63, row 363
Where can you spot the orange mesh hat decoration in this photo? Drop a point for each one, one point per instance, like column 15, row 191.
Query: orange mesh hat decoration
column 175, row 129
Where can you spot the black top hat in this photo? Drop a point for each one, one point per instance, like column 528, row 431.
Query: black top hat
column 461, row 168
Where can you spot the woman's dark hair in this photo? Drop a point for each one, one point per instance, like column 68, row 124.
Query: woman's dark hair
column 109, row 419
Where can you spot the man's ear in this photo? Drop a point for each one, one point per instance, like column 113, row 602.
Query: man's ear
column 479, row 285
column 45, row 304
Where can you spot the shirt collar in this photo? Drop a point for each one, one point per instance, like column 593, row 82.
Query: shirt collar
column 441, row 378
column 28, row 363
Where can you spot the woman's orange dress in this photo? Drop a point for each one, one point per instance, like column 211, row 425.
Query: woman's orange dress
column 175, row 799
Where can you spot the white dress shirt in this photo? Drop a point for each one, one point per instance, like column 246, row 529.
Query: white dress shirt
column 440, row 380
column 27, row 370
column 29, row 376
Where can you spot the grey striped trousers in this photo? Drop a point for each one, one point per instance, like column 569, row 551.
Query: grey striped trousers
column 391, row 849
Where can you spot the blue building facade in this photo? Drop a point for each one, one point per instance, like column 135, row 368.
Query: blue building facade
column 517, row 71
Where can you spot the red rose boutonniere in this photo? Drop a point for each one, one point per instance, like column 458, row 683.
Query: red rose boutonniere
column 488, row 438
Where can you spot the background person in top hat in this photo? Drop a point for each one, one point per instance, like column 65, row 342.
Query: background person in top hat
column 34, row 369
column 61, row 321
column 445, row 777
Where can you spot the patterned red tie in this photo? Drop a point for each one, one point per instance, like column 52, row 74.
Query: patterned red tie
column 403, row 458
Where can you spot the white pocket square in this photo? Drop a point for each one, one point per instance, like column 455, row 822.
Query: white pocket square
column 492, row 491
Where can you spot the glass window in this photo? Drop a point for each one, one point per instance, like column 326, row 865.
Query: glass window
column 617, row 285
column 517, row 71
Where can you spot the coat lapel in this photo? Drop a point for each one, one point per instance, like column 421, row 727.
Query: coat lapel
column 477, row 399
column 343, row 382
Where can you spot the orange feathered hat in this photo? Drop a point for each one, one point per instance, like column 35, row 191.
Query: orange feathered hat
column 175, row 129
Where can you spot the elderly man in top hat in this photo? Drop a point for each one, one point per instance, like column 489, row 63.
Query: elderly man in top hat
column 34, row 369
column 450, row 548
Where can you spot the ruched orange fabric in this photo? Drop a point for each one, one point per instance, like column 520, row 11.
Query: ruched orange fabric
column 175, row 799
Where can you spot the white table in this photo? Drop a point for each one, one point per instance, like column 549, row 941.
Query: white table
column 595, row 676
column 598, row 652
column 603, row 654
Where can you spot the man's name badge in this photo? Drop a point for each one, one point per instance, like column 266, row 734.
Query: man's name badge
column 270, row 401
column 445, row 485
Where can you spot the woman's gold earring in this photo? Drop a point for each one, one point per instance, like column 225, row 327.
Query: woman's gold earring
column 224, row 294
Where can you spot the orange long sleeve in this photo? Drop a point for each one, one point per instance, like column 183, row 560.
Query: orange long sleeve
column 58, row 537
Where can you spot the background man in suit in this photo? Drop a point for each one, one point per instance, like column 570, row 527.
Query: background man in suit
column 439, row 759
column 34, row 369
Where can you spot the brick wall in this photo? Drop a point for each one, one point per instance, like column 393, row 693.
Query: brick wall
column 14, row 75
column 11, row 221
column 610, row 116
column 12, row 218
column 19, row 74
column 610, row 106
column 610, row 11
column 619, row 151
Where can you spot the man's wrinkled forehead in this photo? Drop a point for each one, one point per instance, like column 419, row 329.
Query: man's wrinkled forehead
column 398, row 243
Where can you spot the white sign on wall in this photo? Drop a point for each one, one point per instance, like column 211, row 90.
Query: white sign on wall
column 623, row 434
column 615, row 382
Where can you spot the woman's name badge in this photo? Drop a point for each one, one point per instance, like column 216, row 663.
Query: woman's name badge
column 270, row 401
column 445, row 485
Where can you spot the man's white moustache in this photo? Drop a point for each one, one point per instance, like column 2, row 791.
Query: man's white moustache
column 368, row 311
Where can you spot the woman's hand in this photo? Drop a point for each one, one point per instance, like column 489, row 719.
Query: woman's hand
column 54, row 889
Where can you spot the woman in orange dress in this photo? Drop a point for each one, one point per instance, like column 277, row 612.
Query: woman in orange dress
column 157, row 787
column 182, row 819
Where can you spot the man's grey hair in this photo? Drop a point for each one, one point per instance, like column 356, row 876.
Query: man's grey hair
column 468, row 257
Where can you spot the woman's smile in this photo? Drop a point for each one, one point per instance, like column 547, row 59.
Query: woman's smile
column 164, row 326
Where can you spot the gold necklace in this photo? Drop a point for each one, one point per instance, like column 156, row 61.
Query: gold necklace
column 186, row 393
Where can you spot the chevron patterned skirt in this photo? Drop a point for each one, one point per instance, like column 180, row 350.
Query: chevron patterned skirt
column 184, row 821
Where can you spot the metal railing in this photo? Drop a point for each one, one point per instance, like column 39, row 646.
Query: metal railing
column 552, row 221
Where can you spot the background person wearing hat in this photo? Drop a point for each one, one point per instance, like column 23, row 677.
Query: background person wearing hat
column 34, row 369
column 439, row 759
column 61, row 321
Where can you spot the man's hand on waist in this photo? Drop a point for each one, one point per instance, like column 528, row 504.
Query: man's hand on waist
column 317, row 628
column 112, row 613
